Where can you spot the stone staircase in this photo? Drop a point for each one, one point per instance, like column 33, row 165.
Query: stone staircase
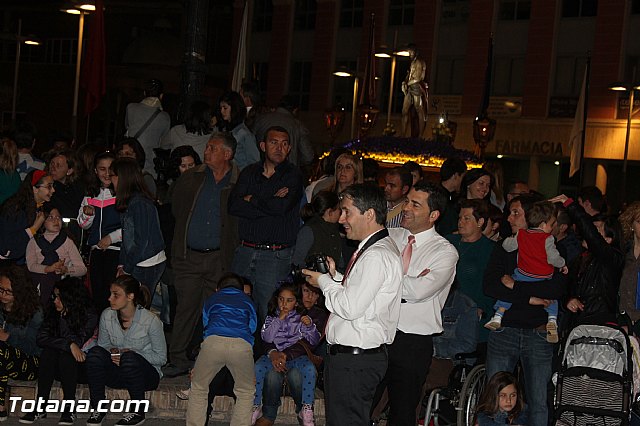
column 165, row 404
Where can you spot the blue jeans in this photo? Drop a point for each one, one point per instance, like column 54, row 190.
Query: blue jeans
column 264, row 268
column 274, row 380
column 302, row 365
column 508, row 345
column 149, row 276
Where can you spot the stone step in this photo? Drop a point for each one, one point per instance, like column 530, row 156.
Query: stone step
column 165, row 403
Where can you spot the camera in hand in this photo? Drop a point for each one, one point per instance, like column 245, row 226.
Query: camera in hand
column 315, row 262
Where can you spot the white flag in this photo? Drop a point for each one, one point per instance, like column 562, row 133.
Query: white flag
column 575, row 140
column 241, row 57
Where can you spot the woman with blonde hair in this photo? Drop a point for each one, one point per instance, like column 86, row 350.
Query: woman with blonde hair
column 9, row 177
column 630, row 221
column 348, row 172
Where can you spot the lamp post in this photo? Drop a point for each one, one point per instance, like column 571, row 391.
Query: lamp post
column 81, row 9
column 343, row 72
column 19, row 40
column 384, row 53
column 631, row 88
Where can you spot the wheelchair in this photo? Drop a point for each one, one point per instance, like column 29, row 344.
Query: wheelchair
column 465, row 385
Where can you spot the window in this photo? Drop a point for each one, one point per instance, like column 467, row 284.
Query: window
column 508, row 77
column 300, row 84
column 579, row 8
column 569, row 76
column 449, row 75
column 260, row 73
column 515, row 10
column 351, row 12
column 343, row 86
column 402, row 66
column 262, row 15
column 455, row 11
column 305, row 17
column 631, row 66
column 61, row 51
column 401, row 12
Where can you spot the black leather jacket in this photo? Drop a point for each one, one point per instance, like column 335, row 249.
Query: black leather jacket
column 599, row 272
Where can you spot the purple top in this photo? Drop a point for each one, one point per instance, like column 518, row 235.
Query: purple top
column 287, row 332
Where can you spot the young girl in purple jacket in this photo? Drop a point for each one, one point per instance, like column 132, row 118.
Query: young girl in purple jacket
column 284, row 327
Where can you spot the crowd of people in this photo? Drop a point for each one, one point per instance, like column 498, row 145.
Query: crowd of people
column 364, row 281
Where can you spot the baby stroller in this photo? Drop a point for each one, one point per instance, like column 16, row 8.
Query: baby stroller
column 595, row 377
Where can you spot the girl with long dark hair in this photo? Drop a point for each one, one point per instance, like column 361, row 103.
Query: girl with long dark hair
column 68, row 327
column 231, row 113
column 98, row 215
column 501, row 402
column 21, row 217
column 131, row 349
column 142, row 251
column 20, row 320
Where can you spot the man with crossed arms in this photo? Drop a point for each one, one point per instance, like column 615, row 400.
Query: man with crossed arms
column 364, row 305
column 429, row 267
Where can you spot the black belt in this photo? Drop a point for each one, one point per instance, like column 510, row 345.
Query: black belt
column 264, row 246
column 207, row 250
column 340, row 349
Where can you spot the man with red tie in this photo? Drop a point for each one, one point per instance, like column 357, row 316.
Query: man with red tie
column 429, row 267
column 364, row 305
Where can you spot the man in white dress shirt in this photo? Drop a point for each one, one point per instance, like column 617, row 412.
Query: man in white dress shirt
column 364, row 305
column 425, row 285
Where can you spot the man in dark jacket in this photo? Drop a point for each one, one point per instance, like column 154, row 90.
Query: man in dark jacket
column 523, row 333
column 204, row 240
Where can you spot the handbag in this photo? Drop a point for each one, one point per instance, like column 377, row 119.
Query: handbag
column 315, row 359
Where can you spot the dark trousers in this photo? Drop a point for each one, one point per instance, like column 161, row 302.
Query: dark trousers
column 409, row 362
column 61, row 365
column 15, row 364
column 103, row 265
column 134, row 374
column 196, row 278
column 350, row 382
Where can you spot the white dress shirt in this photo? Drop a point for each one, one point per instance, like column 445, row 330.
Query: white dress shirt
column 365, row 311
column 425, row 295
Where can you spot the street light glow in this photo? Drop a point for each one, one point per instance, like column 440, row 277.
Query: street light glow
column 342, row 74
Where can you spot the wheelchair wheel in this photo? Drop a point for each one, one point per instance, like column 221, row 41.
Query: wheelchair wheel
column 470, row 395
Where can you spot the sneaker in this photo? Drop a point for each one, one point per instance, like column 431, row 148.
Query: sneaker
column 552, row 332
column 495, row 323
column 256, row 414
column 171, row 370
column 32, row 417
column 96, row 418
column 131, row 419
column 183, row 394
column 67, row 419
column 4, row 415
column 306, row 415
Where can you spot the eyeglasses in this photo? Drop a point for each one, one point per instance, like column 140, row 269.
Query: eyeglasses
column 54, row 296
column 48, row 186
column 6, row 291
column 52, row 218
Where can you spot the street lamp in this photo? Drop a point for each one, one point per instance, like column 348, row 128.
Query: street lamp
column 393, row 54
column 344, row 72
column 32, row 41
column 79, row 8
column 631, row 88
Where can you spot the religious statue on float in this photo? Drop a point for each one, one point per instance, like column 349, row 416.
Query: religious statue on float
column 416, row 96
